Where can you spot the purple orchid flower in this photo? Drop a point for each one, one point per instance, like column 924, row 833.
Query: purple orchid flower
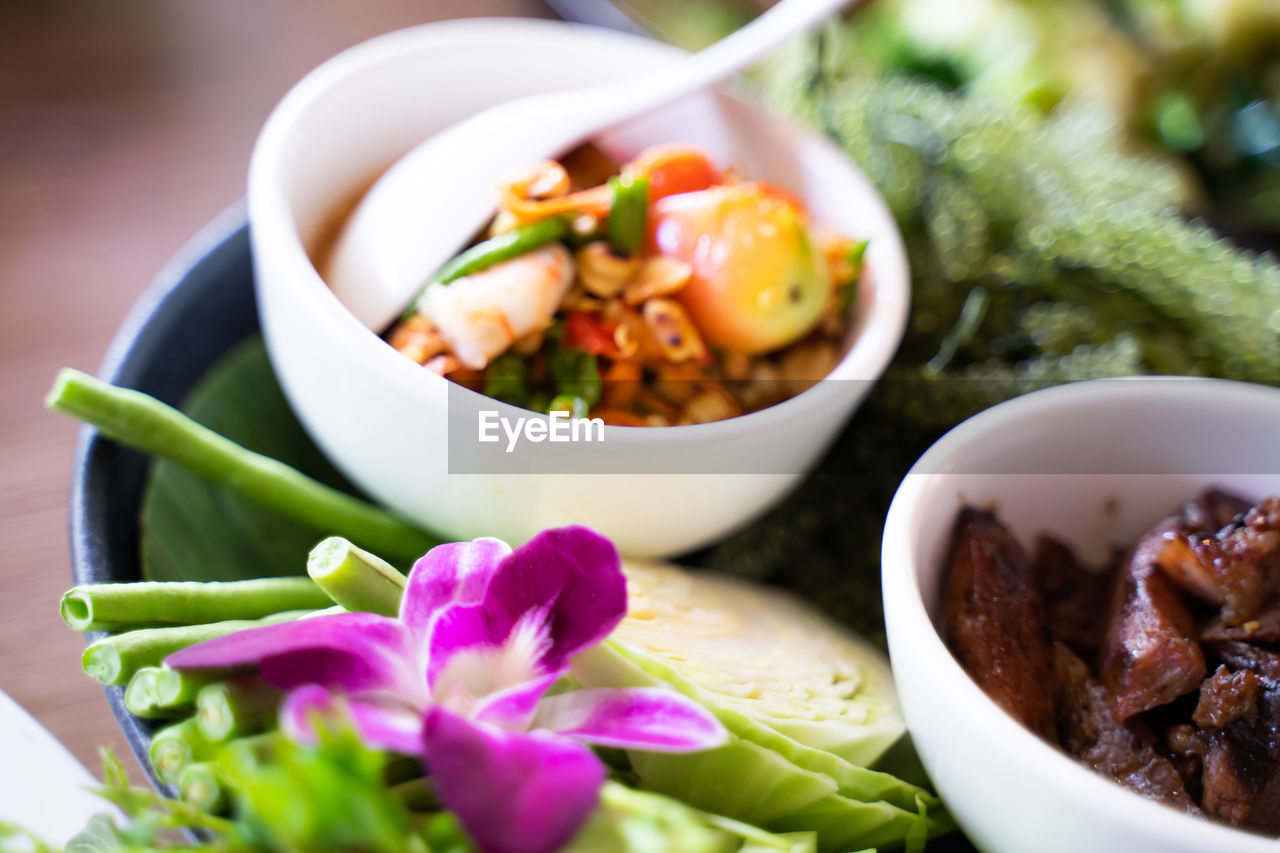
column 461, row 678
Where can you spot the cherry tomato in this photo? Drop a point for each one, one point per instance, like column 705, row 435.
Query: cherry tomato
column 585, row 331
column 785, row 195
column 758, row 282
column 675, row 168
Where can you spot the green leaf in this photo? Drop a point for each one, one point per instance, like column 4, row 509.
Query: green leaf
column 331, row 796
column 101, row 835
column 148, row 809
column 195, row 530
column 444, row 834
column 288, row 797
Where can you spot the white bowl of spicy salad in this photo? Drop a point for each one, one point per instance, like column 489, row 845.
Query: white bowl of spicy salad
column 657, row 336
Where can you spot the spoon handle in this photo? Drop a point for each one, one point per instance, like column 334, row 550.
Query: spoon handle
column 736, row 51
column 584, row 112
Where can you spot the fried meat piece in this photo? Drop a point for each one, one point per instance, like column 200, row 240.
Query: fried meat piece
column 1263, row 663
column 1240, row 783
column 1213, row 510
column 1235, row 566
column 1184, row 746
column 1122, row 751
column 1149, row 656
column 1239, row 717
column 1073, row 596
column 1226, row 697
column 1264, row 627
column 995, row 622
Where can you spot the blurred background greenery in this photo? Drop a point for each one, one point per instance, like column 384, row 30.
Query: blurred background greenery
column 1197, row 80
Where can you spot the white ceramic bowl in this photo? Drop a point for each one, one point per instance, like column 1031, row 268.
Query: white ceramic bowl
column 382, row 419
column 1094, row 463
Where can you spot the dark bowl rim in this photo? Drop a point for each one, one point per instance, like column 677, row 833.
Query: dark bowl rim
column 117, row 367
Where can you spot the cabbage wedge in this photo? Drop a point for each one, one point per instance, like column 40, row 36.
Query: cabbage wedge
column 631, row 821
column 809, row 708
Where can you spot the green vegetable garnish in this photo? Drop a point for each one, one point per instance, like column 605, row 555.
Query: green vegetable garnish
column 538, row 401
column 518, row 241
column 575, row 406
column 504, row 379
column 627, row 212
column 331, row 796
column 849, row 292
column 576, row 374
column 334, row 796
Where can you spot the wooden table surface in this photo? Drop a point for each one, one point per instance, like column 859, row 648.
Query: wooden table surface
column 124, row 127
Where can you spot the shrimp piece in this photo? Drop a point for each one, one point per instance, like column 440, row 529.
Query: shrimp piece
column 417, row 339
column 482, row 314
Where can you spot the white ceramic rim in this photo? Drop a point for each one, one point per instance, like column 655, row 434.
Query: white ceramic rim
column 883, row 325
column 904, row 603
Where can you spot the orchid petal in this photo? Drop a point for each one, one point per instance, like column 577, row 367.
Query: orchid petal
column 647, row 718
column 352, row 651
column 470, row 648
column 389, row 726
column 514, row 708
column 574, row 572
column 457, row 572
column 570, row 577
column 512, row 792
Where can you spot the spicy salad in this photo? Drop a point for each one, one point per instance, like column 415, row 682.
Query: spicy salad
column 662, row 292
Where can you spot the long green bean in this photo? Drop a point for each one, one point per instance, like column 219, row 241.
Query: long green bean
column 246, row 753
column 511, row 244
column 199, row 785
column 627, row 212
column 175, row 748
column 143, row 422
column 122, row 606
column 176, row 689
column 140, row 694
column 359, row 581
column 114, row 660
column 237, row 707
